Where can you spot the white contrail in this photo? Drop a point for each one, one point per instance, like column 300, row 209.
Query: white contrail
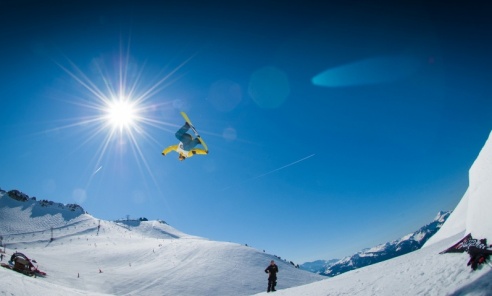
column 273, row 171
column 288, row 165
column 97, row 170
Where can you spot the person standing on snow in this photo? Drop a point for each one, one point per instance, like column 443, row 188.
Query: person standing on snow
column 272, row 270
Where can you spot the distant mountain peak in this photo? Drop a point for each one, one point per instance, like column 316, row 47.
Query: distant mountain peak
column 408, row 243
column 442, row 216
column 22, row 197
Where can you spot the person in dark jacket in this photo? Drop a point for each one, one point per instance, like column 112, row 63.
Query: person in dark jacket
column 272, row 270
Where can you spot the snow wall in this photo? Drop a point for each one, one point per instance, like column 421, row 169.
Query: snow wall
column 473, row 214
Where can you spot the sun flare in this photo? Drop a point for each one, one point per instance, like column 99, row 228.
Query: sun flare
column 121, row 113
column 120, row 110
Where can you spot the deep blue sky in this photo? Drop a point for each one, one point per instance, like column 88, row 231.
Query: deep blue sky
column 331, row 127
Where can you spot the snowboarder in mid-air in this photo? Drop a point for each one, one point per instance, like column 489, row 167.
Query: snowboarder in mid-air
column 186, row 147
column 272, row 270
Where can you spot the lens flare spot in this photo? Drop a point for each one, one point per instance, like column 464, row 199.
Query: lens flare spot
column 79, row 195
column 369, row 72
column 225, row 95
column 229, row 134
column 269, row 87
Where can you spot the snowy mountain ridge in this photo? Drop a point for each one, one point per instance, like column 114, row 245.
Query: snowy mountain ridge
column 382, row 252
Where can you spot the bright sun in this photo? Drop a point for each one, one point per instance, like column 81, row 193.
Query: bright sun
column 121, row 113
column 117, row 111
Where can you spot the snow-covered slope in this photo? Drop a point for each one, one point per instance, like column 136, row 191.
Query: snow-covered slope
column 472, row 215
column 134, row 257
column 425, row 271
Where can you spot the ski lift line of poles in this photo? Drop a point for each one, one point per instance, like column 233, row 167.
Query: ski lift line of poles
column 52, row 229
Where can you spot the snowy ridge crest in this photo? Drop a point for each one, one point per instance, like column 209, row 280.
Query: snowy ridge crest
column 22, row 197
column 389, row 250
column 17, row 210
